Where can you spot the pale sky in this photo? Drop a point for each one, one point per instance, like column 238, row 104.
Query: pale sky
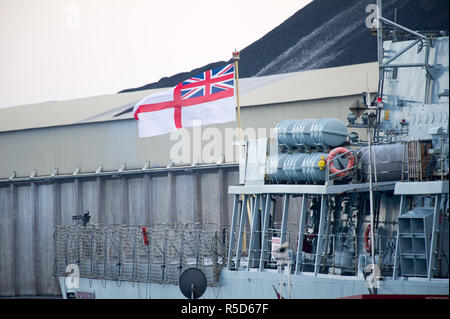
column 54, row 50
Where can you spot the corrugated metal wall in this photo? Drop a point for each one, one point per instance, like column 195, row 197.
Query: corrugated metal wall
column 30, row 211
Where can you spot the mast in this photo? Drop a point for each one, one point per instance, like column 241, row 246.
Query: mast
column 236, row 57
column 379, row 26
column 372, row 219
column 371, row 133
column 241, row 153
column 380, row 54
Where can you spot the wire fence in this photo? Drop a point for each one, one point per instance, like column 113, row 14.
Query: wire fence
column 158, row 253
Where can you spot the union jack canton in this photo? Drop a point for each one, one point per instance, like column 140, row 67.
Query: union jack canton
column 209, row 83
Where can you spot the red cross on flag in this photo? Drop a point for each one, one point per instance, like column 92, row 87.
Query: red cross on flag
column 207, row 97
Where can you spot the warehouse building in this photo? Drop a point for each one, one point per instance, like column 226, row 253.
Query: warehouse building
column 62, row 159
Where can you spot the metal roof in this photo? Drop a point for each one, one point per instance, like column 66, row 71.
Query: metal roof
column 280, row 88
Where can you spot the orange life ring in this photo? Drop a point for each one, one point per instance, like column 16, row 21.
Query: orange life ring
column 367, row 241
column 350, row 158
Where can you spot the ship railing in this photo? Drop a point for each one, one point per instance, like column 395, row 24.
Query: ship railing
column 336, row 258
column 346, row 255
column 120, row 252
column 255, row 224
column 257, row 246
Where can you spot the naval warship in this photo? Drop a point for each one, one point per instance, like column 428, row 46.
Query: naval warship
column 372, row 210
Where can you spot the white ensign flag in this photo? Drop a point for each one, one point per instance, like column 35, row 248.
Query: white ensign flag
column 208, row 97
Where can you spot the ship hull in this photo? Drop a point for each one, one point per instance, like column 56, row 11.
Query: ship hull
column 260, row 285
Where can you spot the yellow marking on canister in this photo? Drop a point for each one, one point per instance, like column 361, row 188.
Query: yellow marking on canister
column 322, row 163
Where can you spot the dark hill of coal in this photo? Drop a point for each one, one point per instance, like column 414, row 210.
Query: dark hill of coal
column 323, row 34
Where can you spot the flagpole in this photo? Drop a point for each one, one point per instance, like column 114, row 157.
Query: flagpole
column 236, row 57
column 236, row 68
